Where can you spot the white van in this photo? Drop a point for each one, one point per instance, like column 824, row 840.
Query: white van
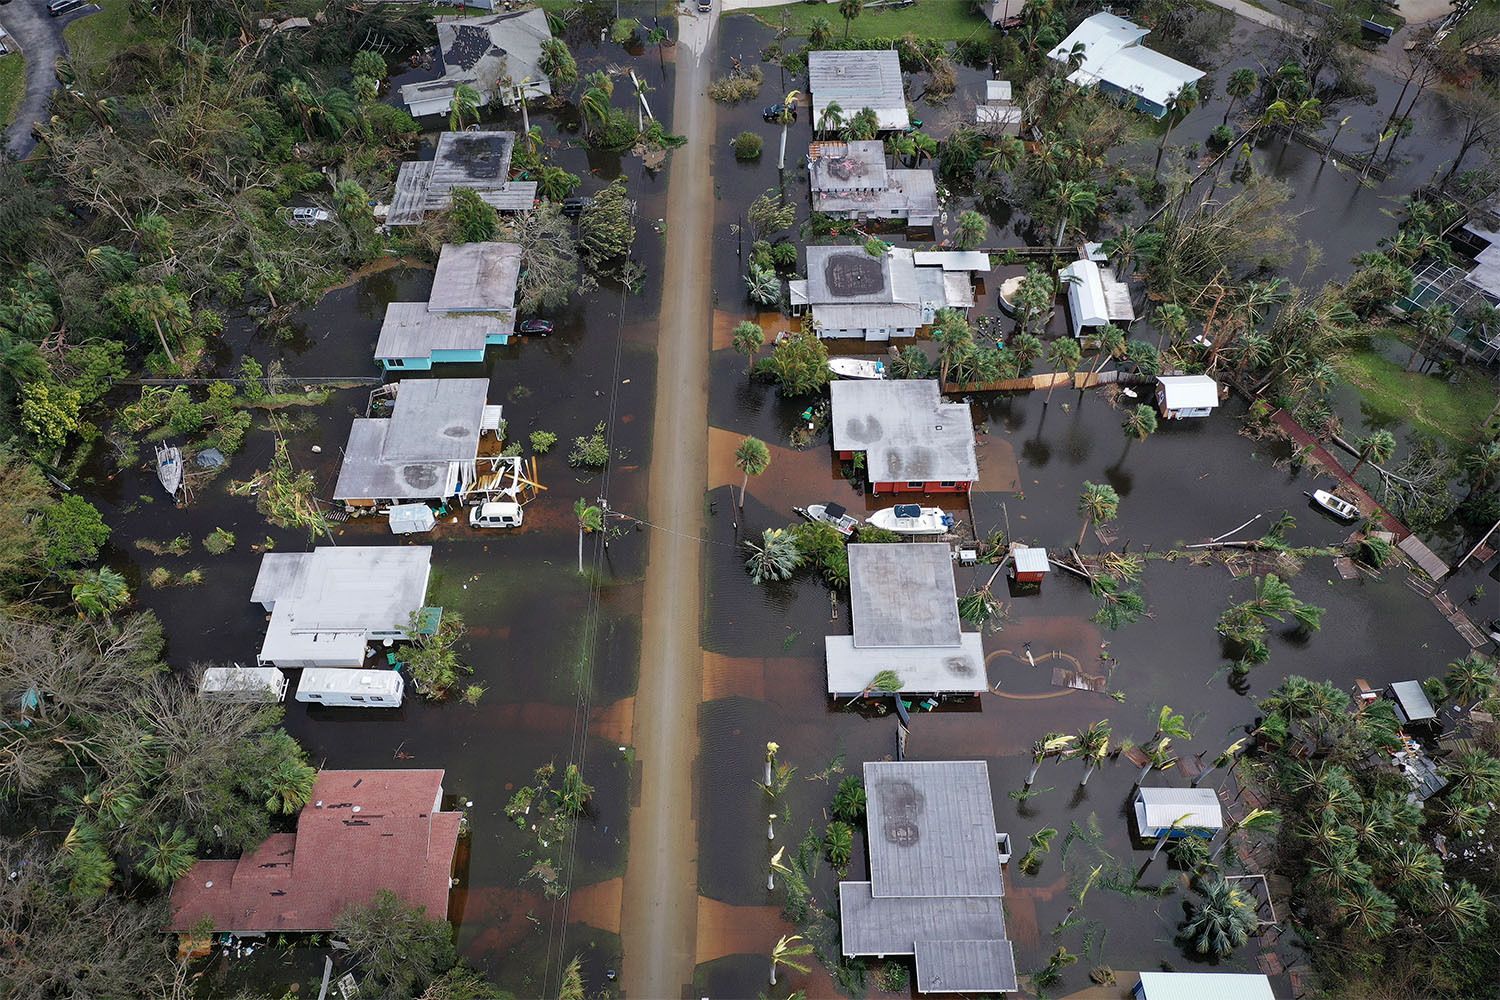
column 495, row 515
column 243, row 684
column 351, row 688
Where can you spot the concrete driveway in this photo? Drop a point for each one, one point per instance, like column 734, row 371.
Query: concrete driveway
column 40, row 38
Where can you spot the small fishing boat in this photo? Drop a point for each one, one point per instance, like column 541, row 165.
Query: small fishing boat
column 865, row 368
column 1337, row 506
column 169, row 468
column 912, row 519
column 830, row 513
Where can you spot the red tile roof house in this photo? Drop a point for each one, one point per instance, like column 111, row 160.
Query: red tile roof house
column 363, row 831
column 913, row 440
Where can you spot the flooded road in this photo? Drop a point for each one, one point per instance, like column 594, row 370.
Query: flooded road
column 659, row 915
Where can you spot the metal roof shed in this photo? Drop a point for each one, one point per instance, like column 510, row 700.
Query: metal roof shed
column 1187, row 395
column 1202, row 986
column 1192, row 810
column 1031, row 563
column 1087, row 305
column 856, row 80
column 1411, row 702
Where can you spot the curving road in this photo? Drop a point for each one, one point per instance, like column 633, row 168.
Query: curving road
column 659, row 912
column 40, row 37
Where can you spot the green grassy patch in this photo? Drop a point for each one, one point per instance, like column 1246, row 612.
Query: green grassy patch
column 12, row 85
column 1450, row 410
column 102, row 34
column 945, row 20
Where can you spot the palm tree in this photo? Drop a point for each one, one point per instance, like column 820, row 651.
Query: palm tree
column 1222, row 922
column 1254, row 821
column 1473, row 774
column 1111, row 345
column 465, row 105
column 1074, row 201
column 784, row 118
column 1171, row 323
column 749, row 338
column 1165, row 837
column 752, row 458
column 849, row 10
column 1158, row 757
column 1179, row 106
column 1458, row 908
column 296, row 93
column 166, row 855
column 764, row 286
column 289, row 785
column 1226, row 758
column 1093, row 746
column 786, row 953
column 832, row 119
column 972, row 229
column 819, row 33
column 1240, row 85
column 590, row 519
column 101, row 592
column 1139, row 423
column 1469, row 681
column 1377, row 446
column 1003, row 153
column 558, row 64
column 1098, row 503
column 1064, row 353
column 1051, row 743
column 927, row 147
column 593, row 104
column 776, row 557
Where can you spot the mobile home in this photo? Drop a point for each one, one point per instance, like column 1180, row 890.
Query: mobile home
column 352, row 688
column 243, row 684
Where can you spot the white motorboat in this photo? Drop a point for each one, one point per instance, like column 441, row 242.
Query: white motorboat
column 912, row 519
column 830, row 513
column 865, row 368
column 1337, row 506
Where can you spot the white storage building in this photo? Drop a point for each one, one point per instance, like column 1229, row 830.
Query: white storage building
column 1117, row 62
column 1177, row 812
column 1179, row 396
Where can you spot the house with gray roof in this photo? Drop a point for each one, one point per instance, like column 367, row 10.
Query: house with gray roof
column 435, row 439
column 935, row 890
column 850, row 180
column 849, row 293
column 472, row 305
column 904, row 608
column 912, row 439
column 499, row 55
column 856, row 80
column 479, row 161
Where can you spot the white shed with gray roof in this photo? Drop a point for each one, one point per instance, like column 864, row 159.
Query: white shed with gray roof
column 1177, row 812
column 856, row 80
column 935, row 890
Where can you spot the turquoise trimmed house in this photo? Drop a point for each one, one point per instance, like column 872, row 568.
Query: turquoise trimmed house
column 472, row 306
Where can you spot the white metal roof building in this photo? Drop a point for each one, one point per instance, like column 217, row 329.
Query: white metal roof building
column 472, row 305
column 906, row 430
column 1177, row 812
column 427, row 449
column 1202, row 986
column 935, row 890
column 1181, row 396
column 859, row 79
column 904, row 607
column 494, row 54
column 971, row 261
column 1087, row 307
column 327, row 604
column 1116, row 61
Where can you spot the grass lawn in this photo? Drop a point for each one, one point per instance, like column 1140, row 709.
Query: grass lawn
column 101, row 34
column 12, row 85
column 945, row 20
column 1449, row 410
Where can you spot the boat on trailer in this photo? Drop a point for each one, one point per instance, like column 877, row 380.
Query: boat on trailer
column 912, row 519
column 1337, row 506
column 830, row 513
column 857, row 368
column 169, row 468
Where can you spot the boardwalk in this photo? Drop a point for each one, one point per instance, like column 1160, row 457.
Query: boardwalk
column 1352, row 490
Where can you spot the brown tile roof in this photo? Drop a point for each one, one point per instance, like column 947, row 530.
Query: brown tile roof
column 362, row 832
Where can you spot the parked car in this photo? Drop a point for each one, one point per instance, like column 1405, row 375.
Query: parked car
column 705, row 6
column 495, row 514
column 773, row 113
column 573, row 207
column 57, row 8
column 305, row 215
column 536, row 327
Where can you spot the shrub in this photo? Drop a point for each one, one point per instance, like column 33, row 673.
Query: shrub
column 1221, row 136
column 747, row 146
column 838, row 843
column 159, row 577
column 542, row 441
column 892, row 977
column 590, row 451
column 219, row 542
column 741, row 85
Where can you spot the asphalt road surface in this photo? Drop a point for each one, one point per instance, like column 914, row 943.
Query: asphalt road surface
column 40, row 37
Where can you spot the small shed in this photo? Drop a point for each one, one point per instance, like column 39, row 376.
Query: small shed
column 1177, row 812
column 1180, row 396
column 1087, row 306
column 411, row 518
column 1412, row 706
column 1031, row 563
column 1202, row 986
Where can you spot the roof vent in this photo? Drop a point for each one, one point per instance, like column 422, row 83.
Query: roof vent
column 355, row 809
column 209, row 884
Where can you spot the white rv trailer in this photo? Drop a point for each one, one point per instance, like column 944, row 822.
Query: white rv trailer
column 243, row 684
column 351, row 688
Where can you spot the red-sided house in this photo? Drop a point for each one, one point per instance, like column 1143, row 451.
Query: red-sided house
column 913, row 440
column 363, row 831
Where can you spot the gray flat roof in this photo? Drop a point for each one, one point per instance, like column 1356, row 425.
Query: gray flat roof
column 855, row 80
column 932, row 830
column 903, row 594
column 515, row 196
column 435, row 423
column 1412, row 701
column 475, row 277
column 858, row 165
column 933, row 670
column 906, row 430
column 876, row 926
column 966, row 967
column 342, row 588
column 410, row 331
column 477, row 160
column 277, row 574
column 844, row 275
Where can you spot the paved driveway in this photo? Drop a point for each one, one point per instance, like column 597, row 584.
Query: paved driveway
column 40, row 37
